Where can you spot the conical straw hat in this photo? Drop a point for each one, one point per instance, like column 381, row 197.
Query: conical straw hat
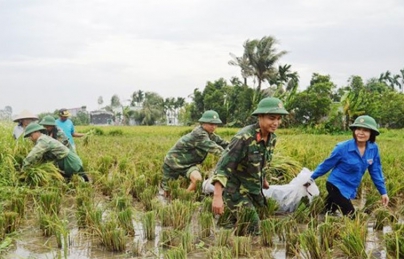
column 25, row 115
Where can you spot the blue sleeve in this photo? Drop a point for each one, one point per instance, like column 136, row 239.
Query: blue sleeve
column 329, row 163
column 376, row 173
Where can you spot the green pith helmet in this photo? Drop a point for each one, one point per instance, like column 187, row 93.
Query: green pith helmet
column 270, row 105
column 365, row 121
column 33, row 127
column 210, row 117
column 48, row 121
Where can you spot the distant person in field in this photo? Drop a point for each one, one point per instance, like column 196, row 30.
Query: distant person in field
column 49, row 123
column 348, row 163
column 191, row 150
column 49, row 149
column 67, row 126
column 239, row 176
column 23, row 119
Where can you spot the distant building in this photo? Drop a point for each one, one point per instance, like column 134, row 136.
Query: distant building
column 74, row 111
column 101, row 117
column 172, row 117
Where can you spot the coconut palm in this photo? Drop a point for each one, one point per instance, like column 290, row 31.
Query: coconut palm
column 243, row 63
column 262, row 57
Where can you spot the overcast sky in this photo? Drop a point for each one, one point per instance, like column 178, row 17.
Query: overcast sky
column 56, row 54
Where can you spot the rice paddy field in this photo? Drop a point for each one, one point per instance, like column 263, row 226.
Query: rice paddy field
column 121, row 213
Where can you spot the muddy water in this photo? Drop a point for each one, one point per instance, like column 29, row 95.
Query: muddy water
column 31, row 244
column 82, row 245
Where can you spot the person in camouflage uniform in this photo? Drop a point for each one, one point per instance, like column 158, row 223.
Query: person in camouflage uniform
column 190, row 150
column 239, row 177
column 48, row 149
column 55, row 132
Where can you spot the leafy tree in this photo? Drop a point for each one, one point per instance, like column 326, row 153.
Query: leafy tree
column 152, row 110
column 311, row 106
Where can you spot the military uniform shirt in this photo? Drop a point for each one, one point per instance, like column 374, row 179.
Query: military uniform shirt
column 240, row 168
column 46, row 148
column 193, row 148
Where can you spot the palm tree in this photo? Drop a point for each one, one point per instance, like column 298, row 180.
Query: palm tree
column 243, row 63
column 262, row 57
column 137, row 98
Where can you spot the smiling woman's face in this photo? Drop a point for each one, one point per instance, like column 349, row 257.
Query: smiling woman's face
column 362, row 134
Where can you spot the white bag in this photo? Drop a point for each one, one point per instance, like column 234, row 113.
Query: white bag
column 289, row 195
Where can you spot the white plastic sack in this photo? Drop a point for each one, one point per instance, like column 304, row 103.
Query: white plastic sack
column 289, row 195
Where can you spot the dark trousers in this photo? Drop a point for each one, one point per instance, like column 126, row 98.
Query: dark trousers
column 335, row 201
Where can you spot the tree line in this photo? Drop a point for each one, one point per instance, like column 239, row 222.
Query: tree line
column 321, row 106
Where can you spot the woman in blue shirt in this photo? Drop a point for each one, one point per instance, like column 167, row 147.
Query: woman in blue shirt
column 349, row 161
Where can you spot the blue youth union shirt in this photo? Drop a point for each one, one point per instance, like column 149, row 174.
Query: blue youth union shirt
column 67, row 127
column 348, row 167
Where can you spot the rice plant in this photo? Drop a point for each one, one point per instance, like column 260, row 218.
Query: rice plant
column 122, row 202
column 139, row 184
column 187, row 239
column 11, row 221
column 125, row 221
column 223, row 237
column 382, row 217
column 311, row 245
column 218, row 252
column 49, row 201
column 264, row 253
column 395, row 241
column 353, row 238
column 267, row 232
column 205, row 220
column 167, row 237
column 149, row 225
column 180, row 214
column 136, row 249
column 147, row 196
column 242, row 246
column 41, row 175
column 269, row 209
column 112, row 236
column 247, row 222
column 176, row 253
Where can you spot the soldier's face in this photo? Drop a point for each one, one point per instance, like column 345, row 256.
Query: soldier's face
column 269, row 123
column 34, row 136
column 209, row 127
column 48, row 128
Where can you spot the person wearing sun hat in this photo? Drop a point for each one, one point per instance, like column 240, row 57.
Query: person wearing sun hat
column 54, row 131
column 48, row 149
column 23, row 119
column 240, row 176
column 67, row 126
column 191, row 150
column 348, row 163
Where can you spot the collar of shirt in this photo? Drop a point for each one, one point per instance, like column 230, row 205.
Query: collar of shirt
column 352, row 147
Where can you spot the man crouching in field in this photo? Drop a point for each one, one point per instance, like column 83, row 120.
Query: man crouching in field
column 49, row 149
column 191, row 150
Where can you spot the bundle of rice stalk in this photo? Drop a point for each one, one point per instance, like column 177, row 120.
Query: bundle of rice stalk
column 282, row 169
column 41, row 175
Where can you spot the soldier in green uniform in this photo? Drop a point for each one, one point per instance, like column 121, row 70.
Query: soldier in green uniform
column 191, row 150
column 48, row 149
column 54, row 131
column 239, row 177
